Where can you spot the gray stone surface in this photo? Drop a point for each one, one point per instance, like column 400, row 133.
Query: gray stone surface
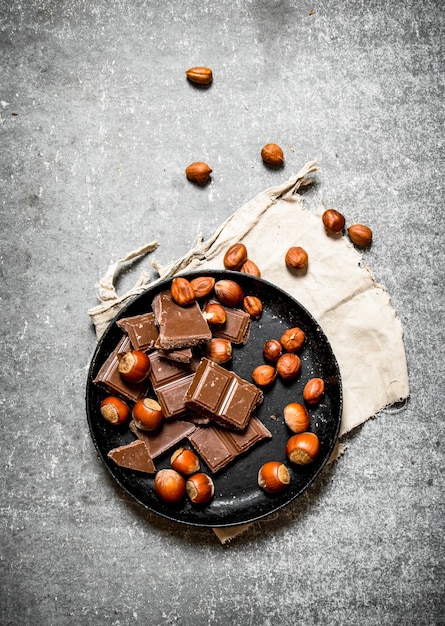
column 97, row 126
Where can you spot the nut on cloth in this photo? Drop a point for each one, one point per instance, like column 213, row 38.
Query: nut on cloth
column 353, row 310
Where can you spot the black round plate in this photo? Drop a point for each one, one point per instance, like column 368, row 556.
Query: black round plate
column 238, row 499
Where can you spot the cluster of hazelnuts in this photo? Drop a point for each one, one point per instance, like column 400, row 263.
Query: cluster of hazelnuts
column 282, row 360
column 199, row 171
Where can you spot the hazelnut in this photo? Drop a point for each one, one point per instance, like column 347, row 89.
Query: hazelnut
column 360, row 235
column 253, row 306
column 200, row 488
column 249, row 267
column 202, row 286
column 264, row 375
column 114, row 410
column 214, row 313
column 184, row 461
column 273, row 477
column 292, row 339
column 182, row 291
column 169, row 485
column 333, row 221
column 229, row 292
column 313, row 390
column 219, row 350
column 198, row 172
column 235, row 256
column 288, row 366
column 296, row 258
column 272, row 154
column 302, row 448
column 272, row 350
column 200, row 75
column 134, row 366
column 296, row 417
column 147, row 414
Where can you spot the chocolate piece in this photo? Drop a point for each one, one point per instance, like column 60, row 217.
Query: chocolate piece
column 164, row 371
column 110, row 379
column 179, row 326
column 169, row 435
column 170, row 381
column 171, row 397
column 218, row 447
column 236, row 327
column 222, row 395
column 141, row 329
column 135, row 456
column 143, row 334
column 185, row 355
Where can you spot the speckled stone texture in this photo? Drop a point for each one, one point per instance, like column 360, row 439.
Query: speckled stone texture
column 97, row 126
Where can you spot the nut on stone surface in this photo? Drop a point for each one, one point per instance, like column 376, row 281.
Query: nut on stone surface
column 272, row 154
column 198, row 172
column 333, row 221
column 296, row 258
column 235, row 256
column 360, row 235
column 200, row 75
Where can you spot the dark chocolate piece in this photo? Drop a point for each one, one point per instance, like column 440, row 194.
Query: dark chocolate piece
column 135, row 456
column 179, row 326
column 110, row 379
column 222, row 395
column 169, row 435
column 218, row 446
column 236, row 327
column 141, row 330
column 170, row 381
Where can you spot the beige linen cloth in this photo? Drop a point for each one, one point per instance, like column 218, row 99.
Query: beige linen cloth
column 338, row 289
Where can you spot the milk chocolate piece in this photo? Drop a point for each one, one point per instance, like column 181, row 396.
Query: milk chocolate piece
column 171, row 397
column 222, row 395
column 110, row 379
column 170, row 382
column 168, row 436
column 236, row 327
column 143, row 334
column 141, row 330
column 179, row 326
column 218, row 447
column 135, row 456
column 184, row 355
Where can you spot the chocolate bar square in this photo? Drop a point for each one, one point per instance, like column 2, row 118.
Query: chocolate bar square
column 222, row 395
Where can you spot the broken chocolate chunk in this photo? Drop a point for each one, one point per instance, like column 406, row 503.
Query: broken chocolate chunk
column 218, row 446
column 179, row 326
column 135, row 456
column 222, row 395
column 110, row 379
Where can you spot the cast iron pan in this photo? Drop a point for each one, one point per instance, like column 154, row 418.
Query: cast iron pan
column 238, row 499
